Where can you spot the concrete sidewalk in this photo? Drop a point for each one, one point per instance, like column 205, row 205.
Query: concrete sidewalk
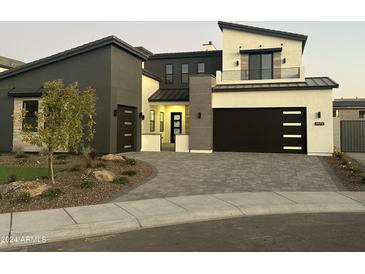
column 34, row 227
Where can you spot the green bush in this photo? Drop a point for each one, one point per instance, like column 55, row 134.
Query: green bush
column 129, row 173
column 23, row 197
column 100, row 165
column 20, row 154
column 344, row 162
column 88, row 183
column 52, row 193
column 62, row 156
column 129, row 161
column 337, row 154
column 120, row 181
column 75, row 168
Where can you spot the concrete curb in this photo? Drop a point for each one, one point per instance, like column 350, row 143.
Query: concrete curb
column 35, row 227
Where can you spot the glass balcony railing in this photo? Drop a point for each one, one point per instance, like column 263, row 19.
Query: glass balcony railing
column 261, row 74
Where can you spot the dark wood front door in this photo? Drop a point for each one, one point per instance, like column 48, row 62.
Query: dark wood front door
column 126, row 140
column 176, row 125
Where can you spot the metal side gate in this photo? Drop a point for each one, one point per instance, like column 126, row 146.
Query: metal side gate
column 353, row 136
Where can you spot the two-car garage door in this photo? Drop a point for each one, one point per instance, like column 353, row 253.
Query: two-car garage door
column 260, row 130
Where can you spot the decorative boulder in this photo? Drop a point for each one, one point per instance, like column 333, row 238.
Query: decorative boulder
column 34, row 188
column 104, row 175
column 112, row 157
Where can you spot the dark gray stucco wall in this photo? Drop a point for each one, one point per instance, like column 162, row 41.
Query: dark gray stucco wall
column 6, row 120
column 88, row 69
column 126, row 90
column 201, row 130
column 157, row 66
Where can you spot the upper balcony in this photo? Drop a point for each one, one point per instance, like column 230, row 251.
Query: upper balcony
column 272, row 75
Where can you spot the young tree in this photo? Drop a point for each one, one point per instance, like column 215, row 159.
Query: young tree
column 65, row 120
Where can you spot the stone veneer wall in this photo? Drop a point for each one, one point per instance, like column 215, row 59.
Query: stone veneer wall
column 201, row 129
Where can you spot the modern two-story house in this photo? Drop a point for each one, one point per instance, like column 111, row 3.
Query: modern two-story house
column 252, row 95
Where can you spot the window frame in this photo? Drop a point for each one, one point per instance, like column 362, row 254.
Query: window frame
column 170, row 74
column 260, row 64
column 201, row 72
column 152, row 121
column 162, row 121
column 184, row 74
column 361, row 114
column 34, row 124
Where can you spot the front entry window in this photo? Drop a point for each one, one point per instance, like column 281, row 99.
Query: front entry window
column 260, row 66
column 152, row 121
column 30, row 121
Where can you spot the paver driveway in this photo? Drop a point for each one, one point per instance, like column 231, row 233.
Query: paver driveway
column 191, row 173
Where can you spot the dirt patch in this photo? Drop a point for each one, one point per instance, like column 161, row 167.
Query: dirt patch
column 69, row 182
column 351, row 174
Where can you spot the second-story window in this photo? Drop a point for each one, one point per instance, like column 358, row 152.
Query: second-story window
column 361, row 114
column 201, row 68
column 185, row 73
column 260, row 66
column 169, row 71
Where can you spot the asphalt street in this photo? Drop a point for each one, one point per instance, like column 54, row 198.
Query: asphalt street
column 296, row 232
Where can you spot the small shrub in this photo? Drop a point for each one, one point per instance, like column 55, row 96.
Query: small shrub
column 100, row 165
column 88, row 164
column 344, row 162
column 75, row 168
column 92, row 154
column 62, row 156
column 88, row 183
column 52, row 193
column 20, row 154
column 129, row 161
column 11, row 178
column 338, row 154
column 120, row 181
column 23, row 197
column 129, row 173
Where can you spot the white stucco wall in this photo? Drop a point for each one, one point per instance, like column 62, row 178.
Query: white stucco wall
column 149, row 87
column 319, row 138
column 234, row 39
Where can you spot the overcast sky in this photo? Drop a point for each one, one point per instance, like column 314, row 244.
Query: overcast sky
column 334, row 49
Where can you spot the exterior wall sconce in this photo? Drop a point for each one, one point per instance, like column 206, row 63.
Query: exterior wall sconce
column 141, row 116
column 115, row 112
column 319, row 115
column 284, row 60
column 199, row 115
column 237, row 63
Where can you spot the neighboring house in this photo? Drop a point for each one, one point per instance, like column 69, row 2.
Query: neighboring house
column 250, row 96
column 349, row 109
column 8, row 63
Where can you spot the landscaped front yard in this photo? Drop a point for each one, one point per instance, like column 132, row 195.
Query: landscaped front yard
column 350, row 172
column 80, row 180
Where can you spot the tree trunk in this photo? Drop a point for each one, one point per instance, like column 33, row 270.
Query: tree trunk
column 50, row 167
